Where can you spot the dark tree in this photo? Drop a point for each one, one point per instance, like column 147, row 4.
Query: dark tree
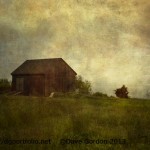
column 122, row 92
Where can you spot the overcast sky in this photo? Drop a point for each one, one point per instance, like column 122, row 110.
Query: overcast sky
column 105, row 41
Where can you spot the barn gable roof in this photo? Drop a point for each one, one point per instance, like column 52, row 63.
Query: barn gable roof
column 40, row 66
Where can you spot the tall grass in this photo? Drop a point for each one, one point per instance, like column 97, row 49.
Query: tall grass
column 75, row 118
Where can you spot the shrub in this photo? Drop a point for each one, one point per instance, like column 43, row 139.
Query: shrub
column 4, row 85
column 99, row 94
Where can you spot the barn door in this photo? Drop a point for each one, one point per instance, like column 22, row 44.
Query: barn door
column 37, row 86
column 20, row 84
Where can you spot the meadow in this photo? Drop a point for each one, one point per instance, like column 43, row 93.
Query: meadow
column 82, row 122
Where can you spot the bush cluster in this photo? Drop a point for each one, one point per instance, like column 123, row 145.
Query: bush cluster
column 4, row 85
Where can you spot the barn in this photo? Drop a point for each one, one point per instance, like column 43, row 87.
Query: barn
column 41, row 77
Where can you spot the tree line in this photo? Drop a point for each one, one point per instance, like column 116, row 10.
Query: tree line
column 81, row 86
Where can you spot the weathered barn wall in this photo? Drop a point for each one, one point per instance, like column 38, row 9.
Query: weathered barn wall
column 31, row 85
column 44, row 76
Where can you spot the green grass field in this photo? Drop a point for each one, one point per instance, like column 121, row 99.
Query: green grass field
column 87, row 122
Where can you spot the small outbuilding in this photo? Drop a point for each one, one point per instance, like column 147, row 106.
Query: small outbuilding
column 41, row 77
